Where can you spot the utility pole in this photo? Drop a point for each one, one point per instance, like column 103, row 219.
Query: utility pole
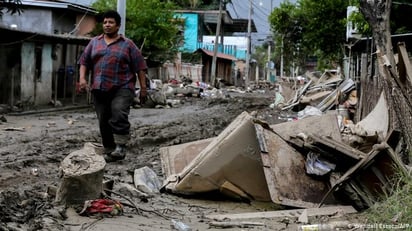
column 121, row 9
column 219, row 22
column 281, row 58
column 269, row 54
column 249, row 29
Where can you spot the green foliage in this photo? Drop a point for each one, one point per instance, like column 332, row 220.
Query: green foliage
column 324, row 27
column 360, row 23
column 310, row 27
column 260, row 55
column 11, row 6
column 318, row 27
column 151, row 25
column 287, row 24
column 395, row 209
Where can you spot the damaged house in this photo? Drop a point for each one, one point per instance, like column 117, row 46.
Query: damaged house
column 40, row 52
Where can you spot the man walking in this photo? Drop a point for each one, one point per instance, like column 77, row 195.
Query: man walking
column 115, row 61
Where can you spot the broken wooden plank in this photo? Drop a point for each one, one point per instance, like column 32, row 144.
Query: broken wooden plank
column 261, row 138
column 20, row 129
column 314, row 98
column 334, row 148
column 311, row 212
column 363, row 178
column 176, row 157
column 404, row 65
column 286, row 178
column 325, row 125
column 240, row 224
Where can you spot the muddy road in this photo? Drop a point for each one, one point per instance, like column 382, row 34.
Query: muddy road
column 33, row 145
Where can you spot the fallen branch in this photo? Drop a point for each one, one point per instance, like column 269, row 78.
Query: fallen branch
column 15, row 129
column 139, row 210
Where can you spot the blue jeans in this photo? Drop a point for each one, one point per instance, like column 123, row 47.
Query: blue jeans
column 112, row 109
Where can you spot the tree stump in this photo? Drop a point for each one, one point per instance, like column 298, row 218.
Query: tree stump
column 81, row 174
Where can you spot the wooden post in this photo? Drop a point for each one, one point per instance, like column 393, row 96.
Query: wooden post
column 12, row 89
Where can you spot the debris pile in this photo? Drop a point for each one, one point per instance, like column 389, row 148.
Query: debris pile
column 321, row 158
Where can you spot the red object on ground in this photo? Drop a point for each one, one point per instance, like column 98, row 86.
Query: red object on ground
column 102, row 206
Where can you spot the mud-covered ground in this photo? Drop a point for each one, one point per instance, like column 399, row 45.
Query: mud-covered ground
column 32, row 147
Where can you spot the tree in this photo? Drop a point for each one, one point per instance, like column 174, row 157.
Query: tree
column 324, row 28
column 286, row 23
column 151, row 25
column 11, row 6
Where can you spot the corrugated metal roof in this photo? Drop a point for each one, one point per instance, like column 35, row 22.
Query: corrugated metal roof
column 58, row 4
column 15, row 36
column 218, row 55
column 230, row 25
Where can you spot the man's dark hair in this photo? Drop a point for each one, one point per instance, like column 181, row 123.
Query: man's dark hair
column 112, row 14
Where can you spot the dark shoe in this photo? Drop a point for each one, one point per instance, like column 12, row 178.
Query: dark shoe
column 108, row 158
column 108, row 151
column 120, row 152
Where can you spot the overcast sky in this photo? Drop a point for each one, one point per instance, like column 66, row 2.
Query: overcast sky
column 261, row 11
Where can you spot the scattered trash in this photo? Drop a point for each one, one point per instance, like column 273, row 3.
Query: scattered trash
column 102, row 206
column 309, row 111
column 279, row 101
column 34, row 171
column 180, row 226
column 71, row 121
column 3, row 119
column 315, row 165
column 146, row 180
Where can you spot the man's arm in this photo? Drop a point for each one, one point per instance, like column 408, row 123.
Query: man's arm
column 141, row 75
column 82, row 80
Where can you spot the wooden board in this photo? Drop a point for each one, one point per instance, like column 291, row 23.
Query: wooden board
column 175, row 158
column 325, row 125
column 286, row 176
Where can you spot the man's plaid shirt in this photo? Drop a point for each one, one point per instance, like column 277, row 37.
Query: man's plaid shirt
column 114, row 65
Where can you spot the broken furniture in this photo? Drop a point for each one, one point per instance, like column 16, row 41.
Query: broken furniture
column 253, row 160
column 230, row 162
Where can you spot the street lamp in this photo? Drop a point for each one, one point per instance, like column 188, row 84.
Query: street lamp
column 249, row 29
